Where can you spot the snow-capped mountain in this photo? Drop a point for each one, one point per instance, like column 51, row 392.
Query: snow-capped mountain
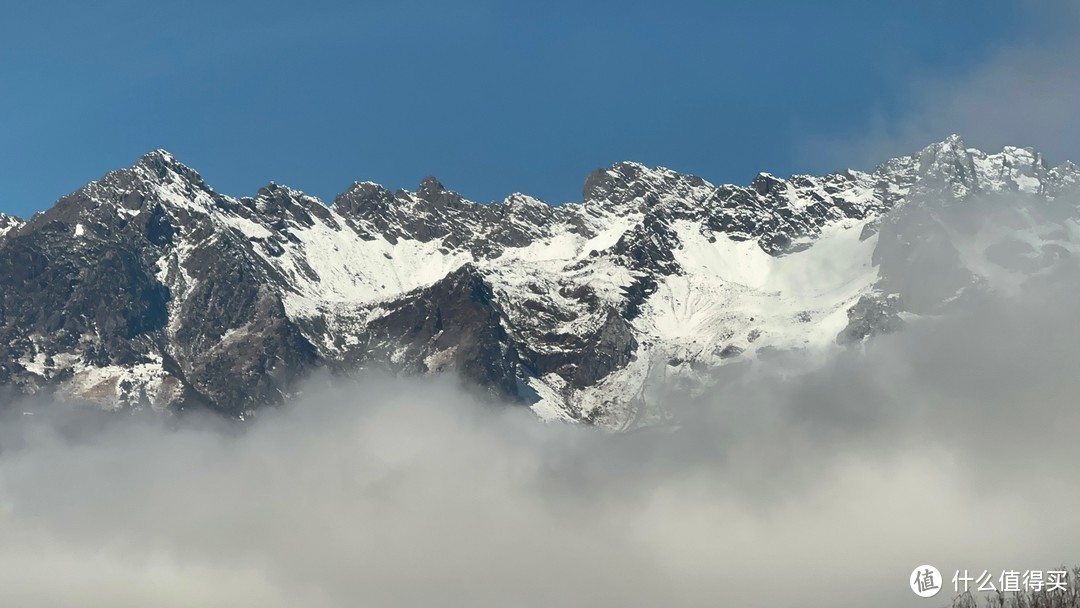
column 148, row 287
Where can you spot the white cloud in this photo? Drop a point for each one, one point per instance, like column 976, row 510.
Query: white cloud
column 1024, row 94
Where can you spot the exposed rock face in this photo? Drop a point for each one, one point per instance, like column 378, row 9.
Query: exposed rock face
column 148, row 287
column 872, row 315
column 454, row 325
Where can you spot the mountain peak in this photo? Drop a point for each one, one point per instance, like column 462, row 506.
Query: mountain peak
column 520, row 199
column 159, row 154
column 159, row 160
column 953, row 140
column 604, row 184
column 274, row 189
column 161, row 166
column 951, row 146
column 362, row 196
column 432, row 191
column 430, row 185
column 764, row 183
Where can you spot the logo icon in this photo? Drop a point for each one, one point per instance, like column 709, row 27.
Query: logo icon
column 925, row 581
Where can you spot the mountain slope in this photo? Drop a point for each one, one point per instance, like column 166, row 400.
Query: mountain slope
column 148, row 287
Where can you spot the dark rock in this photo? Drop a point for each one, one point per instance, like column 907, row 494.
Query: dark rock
column 872, row 315
column 730, row 351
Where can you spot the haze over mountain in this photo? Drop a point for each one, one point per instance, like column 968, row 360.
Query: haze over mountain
column 149, row 288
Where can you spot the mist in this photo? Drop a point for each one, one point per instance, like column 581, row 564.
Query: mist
column 805, row 481
column 1023, row 93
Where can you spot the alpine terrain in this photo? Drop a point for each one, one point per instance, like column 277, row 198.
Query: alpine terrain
column 147, row 288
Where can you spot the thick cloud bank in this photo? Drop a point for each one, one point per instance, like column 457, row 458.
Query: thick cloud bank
column 951, row 443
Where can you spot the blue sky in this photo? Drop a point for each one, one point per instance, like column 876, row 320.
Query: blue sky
column 491, row 97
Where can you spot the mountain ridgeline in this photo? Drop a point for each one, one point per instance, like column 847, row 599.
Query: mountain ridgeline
column 147, row 288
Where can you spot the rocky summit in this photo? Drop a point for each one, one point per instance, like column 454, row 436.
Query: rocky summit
column 147, row 288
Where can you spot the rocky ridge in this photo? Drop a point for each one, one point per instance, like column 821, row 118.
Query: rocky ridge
column 149, row 288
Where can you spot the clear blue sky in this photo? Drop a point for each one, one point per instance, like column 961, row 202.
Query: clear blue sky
column 491, row 97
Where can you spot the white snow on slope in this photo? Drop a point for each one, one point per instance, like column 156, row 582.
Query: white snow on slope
column 728, row 283
column 352, row 271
